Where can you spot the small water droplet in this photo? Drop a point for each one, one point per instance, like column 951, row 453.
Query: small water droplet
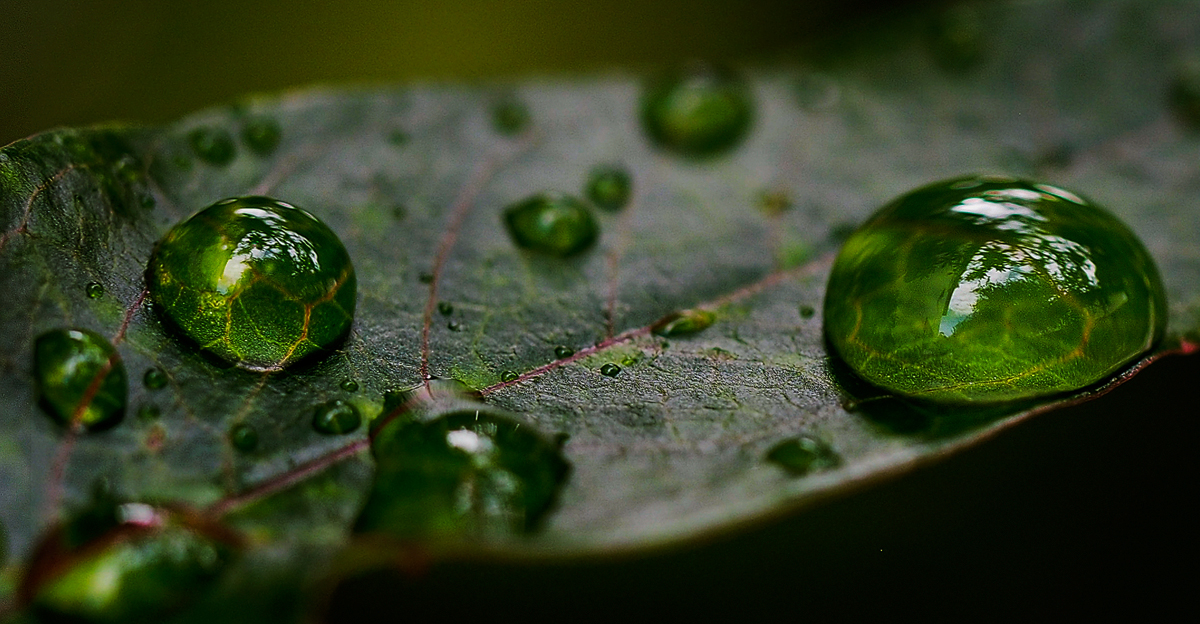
column 445, row 308
column 957, row 38
column 774, row 203
column 425, row 278
column 997, row 290
column 336, row 417
column 94, row 290
column 802, row 455
column 255, row 281
column 155, row 378
column 684, row 322
column 149, row 411
column 481, row 475
column 563, row 352
column 609, row 187
column 610, row 370
column 510, row 116
column 213, row 145
column 807, row 311
column 508, row 376
column 454, row 326
column 349, row 385
column 817, row 92
column 552, row 224
column 261, row 135
column 243, row 437
column 697, row 111
column 629, row 360
column 80, row 377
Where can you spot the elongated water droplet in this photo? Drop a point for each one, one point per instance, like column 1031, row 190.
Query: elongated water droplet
column 80, row 377
column 684, row 322
column 243, row 437
column 697, row 111
column 508, row 376
column 982, row 290
column 471, row 473
column 213, row 145
column 349, row 385
column 445, row 308
column 552, row 224
column 127, row 562
column 610, row 370
column 563, row 352
column 261, row 135
column 155, row 378
column 256, row 281
column 802, row 455
column 336, row 417
column 94, row 290
column 609, row 187
column 510, row 116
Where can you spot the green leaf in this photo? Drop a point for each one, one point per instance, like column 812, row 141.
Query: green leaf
column 672, row 446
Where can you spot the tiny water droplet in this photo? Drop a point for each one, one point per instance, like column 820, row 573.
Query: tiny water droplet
column 255, row 281
column 454, row 326
column 149, row 411
column 610, row 370
column 802, row 455
column 807, row 311
column 510, row 116
column 94, row 290
column 80, row 377
column 552, row 224
column 563, row 352
column 336, row 417
column 213, row 145
column 155, row 378
column 262, row 135
column 508, row 376
column 445, row 308
column 697, row 111
column 986, row 290
column 609, row 187
column 684, row 322
column 956, row 38
column 817, row 92
column 349, row 385
column 243, row 437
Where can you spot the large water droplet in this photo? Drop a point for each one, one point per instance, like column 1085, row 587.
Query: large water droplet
column 802, row 455
column 261, row 135
column 610, row 370
column 80, row 378
column 213, row 145
column 243, row 437
column 469, row 473
column 508, row 376
column 94, row 290
column 336, row 417
column 978, row 290
column 128, row 562
column 609, row 187
column 256, row 281
column 697, row 111
column 683, row 323
column 552, row 224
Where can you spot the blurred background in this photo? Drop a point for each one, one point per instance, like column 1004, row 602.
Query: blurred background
column 1085, row 507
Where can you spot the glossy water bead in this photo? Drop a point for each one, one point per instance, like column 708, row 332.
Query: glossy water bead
column 988, row 289
column 256, row 281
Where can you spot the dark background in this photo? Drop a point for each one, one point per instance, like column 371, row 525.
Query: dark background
column 1078, row 512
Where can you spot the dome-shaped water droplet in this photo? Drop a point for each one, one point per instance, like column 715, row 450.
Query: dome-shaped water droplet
column 610, row 370
column 609, row 187
column 94, row 290
column 256, row 281
column 213, row 145
column 802, row 455
column 552, row 224
column 80, row 378
column 349, row 385
column 684, row 322
column 562, row 351
column 979, row 290
column 336, row 417
column 697, row 111
column 508, row 376
column 469, row 473
column 155, row 379
column 243, row 437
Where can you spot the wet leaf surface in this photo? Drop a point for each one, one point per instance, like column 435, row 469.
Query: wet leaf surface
column 674, row 444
